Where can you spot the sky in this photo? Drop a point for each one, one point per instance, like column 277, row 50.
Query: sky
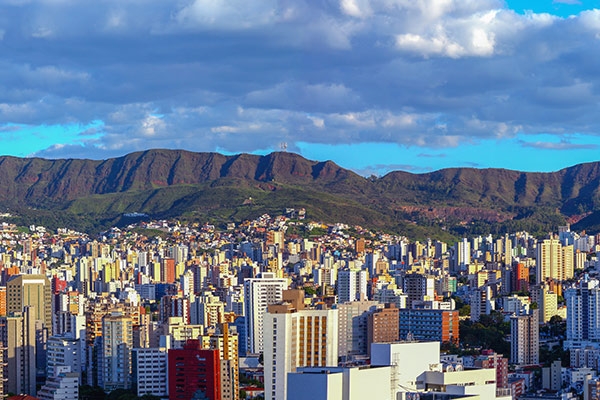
column 374, row 85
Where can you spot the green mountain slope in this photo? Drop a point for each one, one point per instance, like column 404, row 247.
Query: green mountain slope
column 208, row 186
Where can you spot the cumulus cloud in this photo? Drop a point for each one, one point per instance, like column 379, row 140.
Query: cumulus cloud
column 244, row 76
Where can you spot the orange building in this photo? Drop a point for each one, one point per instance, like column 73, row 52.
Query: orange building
column 167, row 270
column 520, row 279
column 2, row 301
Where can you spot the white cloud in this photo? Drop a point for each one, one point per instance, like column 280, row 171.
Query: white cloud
column 356, row 8
column 243, row 75
column 230, row 14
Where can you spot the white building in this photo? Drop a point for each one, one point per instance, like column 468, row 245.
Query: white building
column 458, row 381
column 482, row 302
column 258, row 294
column 63, row 385
column 416, row 368
column 63, row 350
column 352, row 285
column 149, row 371
column 516, row 304
column 336, row 383
column 408, row 361
column 583, row 314
column 463, row 254
column 305, row 338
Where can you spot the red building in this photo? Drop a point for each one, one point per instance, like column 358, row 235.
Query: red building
column 194, row 368
column 490, row 359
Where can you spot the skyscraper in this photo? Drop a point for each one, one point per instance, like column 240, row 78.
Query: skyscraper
column 383, row 325
column 31, row 290
column 259, row 293
column 554, row 261
column 418, row 287
column 18, row 336
column 583, row 314
column 352, row 328
column 305, row 338
column 117, row 342
column 351, row 285
column 525, row 338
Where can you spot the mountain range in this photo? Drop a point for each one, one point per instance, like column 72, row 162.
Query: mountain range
column 92, row 195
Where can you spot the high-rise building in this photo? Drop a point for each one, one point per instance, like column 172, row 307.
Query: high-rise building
column 546, row 300
column 418, row 287
column 351, row 285
column 64, row 350
column 117, row 342
column 149, row 371
column 490, row 359
column 19, row 338
column 259, row 293
column 583, row 314
column 554, row 261
column 429, row 325
column 226, row 342
column 194, row 371
column 520, row 277
column 482, row 302
column 352, row 328
column 524, row 338
column 462, row 255
column 31, row 290
column 383, row 325
column 167, row 270
column 305, row 338
column 2, row 301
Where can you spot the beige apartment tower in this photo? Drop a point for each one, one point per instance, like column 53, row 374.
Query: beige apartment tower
column 117, row 342
column 18, row 336
column 30, row 290
column 296, row 338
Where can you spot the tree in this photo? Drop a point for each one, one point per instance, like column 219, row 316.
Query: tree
column 87, row 392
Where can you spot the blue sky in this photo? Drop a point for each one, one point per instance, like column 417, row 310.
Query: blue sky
column 374, row 85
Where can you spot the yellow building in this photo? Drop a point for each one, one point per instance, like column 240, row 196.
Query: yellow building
column 227, row 344
column 554, row 261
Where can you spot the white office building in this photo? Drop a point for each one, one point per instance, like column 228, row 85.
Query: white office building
column 583, row 314
column 305, row 338
column 149, row 371
column 334, row 383
column 63, row 385
column 64, row 350
column 352, row 285
column 259, row 293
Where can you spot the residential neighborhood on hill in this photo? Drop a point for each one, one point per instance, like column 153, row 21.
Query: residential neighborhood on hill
column 289, row 308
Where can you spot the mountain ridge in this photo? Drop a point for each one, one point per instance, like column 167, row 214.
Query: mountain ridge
column 212, row 185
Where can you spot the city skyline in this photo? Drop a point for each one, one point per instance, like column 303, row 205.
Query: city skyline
column 373, row 85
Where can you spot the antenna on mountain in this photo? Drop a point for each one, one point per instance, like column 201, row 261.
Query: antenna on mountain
column 283, row 146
